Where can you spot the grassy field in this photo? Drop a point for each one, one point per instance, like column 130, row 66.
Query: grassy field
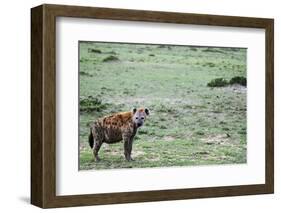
column 190, row 123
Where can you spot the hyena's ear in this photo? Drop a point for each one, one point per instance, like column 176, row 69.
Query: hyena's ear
column 146, row 111
column 134, row 110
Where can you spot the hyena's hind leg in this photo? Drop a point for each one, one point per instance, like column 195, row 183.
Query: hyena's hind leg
column 95, row 143
column 97, row 146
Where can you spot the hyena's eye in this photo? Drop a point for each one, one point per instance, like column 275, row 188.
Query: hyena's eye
column 142, row 118
column 137, row 118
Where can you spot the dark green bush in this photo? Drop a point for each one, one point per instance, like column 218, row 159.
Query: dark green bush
column 238, row 80
column 110, row 58
column 193, row 48
column 85, row 74
column 221, row 82
column 209, row 64
column 91, row 50
column 218, row 82
column 92, row 104
column 213, row 50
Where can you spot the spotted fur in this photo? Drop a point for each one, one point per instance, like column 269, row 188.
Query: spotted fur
column 118, row 127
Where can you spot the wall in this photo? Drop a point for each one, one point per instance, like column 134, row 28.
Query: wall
column 15, row 106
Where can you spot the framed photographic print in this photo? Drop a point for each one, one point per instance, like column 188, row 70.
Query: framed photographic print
column 136, row 106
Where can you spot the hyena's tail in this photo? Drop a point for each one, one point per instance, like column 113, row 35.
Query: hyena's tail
column 91, row 138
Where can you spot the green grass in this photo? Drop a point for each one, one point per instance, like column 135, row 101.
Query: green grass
column 189, row 123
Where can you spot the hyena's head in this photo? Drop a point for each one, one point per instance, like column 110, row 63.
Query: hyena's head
column 139, row 116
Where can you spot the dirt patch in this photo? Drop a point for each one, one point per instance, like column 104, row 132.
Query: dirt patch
column 216, row 139
column 234, row 88
column 168, row 138
column 137, row 153
column 117, row 152
column 154, row 158
column 83, row 146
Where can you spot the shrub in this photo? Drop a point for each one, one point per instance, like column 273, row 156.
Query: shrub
column 161, row 46
column 212, row 50
column 110, row 58
column 200, row 132
column 209, row 64
column 218, row 82
column 91, row 50
column 82, row 60
column 91, row 104
column 238, row 80
column 193, row 48
column 85, row 74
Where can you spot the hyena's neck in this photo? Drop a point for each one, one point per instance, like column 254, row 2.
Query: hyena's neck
column 133, row 126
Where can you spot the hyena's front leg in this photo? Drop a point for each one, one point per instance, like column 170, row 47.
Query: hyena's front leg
column 128, row 143
column 96, row 148
column 130, row 146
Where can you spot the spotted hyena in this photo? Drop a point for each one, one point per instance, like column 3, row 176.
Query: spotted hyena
column 115, row 128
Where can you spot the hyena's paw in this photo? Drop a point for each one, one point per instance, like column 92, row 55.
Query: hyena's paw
column 129, row 158
column 97, row 159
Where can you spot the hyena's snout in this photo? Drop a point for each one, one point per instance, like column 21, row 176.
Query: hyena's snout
column 139, row 121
